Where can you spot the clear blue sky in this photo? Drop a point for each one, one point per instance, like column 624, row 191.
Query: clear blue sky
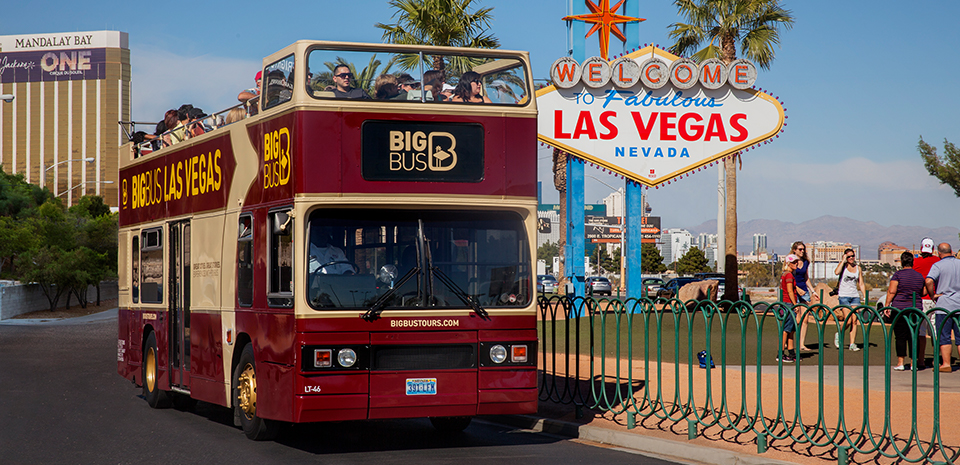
column 861, row 82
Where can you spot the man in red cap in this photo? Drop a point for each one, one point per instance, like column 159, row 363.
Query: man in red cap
column 250, row 96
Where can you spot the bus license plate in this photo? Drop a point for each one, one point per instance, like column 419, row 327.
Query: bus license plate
column 422, row 386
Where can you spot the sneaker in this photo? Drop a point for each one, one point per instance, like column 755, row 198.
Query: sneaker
column 836, row 340
column 854, row 347
column 899, row 368
column 788, row 358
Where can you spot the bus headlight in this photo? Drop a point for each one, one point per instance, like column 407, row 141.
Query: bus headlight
column 498, row 354
column 346, row 357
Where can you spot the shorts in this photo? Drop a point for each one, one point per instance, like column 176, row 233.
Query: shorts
column 851, row 302
column 805, row 299
column 949, row 325
column 928, row 320
column 789, row 322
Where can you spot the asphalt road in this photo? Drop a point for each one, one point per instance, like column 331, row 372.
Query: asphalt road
column 62, row 401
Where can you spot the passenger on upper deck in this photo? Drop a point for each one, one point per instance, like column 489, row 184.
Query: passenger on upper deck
column 409, row 88
column 235, row 115
column 249, row 96
column 433, row 85
column 387, row 87
column 341, row 77
column 175, row 132
column 470, row 89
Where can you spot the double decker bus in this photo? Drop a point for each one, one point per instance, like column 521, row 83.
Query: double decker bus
column 334, row 259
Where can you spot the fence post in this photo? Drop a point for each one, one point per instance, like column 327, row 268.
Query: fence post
column 631, row 420
column 843, row 455
column 691, row 429
column 761, row 443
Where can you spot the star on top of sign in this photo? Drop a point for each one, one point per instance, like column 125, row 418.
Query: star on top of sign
column 606, row 19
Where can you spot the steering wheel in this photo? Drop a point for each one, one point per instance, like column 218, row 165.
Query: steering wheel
column 354, row 268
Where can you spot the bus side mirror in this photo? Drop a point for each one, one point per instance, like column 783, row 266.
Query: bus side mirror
column 280, row 222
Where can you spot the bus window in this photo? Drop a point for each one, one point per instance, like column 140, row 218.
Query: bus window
column 151, row 277
column 278, row 82
column 135, row 269
column 280, row 259
column 245, row 262
column 418, row 259
column 504, row 79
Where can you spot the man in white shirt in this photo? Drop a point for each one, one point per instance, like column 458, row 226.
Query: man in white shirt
column 322, row 252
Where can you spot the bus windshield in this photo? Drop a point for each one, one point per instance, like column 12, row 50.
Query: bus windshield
column 433, row 259
column 415, row 76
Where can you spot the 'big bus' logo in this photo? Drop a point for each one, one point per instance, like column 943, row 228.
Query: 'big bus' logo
column 180, row 179
column 276, row 158
column 416, row 151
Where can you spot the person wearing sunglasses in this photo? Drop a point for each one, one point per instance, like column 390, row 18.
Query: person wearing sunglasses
column 850, row 290
column 804, row 291
column 342, row 88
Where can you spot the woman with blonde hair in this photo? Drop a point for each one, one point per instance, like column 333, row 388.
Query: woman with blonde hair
column 236, row 114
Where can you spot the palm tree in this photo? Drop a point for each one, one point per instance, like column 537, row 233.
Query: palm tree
column 720, row 25
column 439, row 22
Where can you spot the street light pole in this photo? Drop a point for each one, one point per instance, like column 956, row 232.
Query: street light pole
column 56, row 186
column 82, row 183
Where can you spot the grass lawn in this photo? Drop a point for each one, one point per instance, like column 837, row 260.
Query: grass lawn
column 677, row 336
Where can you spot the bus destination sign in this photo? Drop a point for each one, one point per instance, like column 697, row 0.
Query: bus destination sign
column 443, row 152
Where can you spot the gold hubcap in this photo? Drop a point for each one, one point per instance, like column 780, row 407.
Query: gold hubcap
column 247, row 391
column 151, row 370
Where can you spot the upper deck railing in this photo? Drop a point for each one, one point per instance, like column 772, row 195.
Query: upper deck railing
column 366, row 77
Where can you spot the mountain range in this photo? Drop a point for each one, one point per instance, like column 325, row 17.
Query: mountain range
column 867, row 234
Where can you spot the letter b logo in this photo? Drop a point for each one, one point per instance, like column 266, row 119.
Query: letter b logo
column 443, row 154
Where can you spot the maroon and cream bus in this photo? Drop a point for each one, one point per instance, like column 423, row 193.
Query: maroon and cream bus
column 335, row 259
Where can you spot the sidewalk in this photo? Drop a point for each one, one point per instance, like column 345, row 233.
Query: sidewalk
column 95, row 317
column 667, row 438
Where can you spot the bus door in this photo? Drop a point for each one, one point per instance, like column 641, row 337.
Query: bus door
column 180, row 304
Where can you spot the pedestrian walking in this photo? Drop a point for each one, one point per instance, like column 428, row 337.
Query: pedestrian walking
column 801, row 276
column 906, row 288
column 943, row 283
column 788, row 290
column 850, row 290
column 922, row 264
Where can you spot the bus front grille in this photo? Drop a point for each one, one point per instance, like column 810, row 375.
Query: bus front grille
column 421, row 357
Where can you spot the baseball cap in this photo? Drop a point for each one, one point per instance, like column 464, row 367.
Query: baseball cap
column 259, row 75
column 926, row 245
column 792, row 258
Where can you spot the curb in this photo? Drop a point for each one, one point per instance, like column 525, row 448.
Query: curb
column 92, row 318
column 659, row 448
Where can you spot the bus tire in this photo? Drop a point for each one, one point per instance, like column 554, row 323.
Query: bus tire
column 156, row 398
column 450, row 425
column 245, row 399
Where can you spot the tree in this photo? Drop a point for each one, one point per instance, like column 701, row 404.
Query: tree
column 694, row 261
column 601, row 259
column 650, row 259
column 762, row 274
column 946, row 169
column 721, row 24
column 546, row 252
column 450, row 23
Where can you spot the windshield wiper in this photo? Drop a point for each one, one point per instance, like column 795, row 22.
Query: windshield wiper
column 467, row 299
column 377, row 308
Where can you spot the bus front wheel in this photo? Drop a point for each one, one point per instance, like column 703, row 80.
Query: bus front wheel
column 155, row 397
column 245, row 399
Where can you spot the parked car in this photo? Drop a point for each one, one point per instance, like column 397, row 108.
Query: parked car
column 546, row 284
column 652, row 285
column 598, row 285
column 672, row 288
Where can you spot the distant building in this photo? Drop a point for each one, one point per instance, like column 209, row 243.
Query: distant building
column 759, row 243
column 826, row 255
column 675, row 243
column 61, row 130
column 889, row 253
column 708, row 244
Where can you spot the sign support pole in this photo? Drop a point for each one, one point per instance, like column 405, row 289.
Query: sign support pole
column 634, row 191
column 573, row 256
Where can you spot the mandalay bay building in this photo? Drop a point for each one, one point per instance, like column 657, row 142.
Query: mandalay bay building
column 69, row 91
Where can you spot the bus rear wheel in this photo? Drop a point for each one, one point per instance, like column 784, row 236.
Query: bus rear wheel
column 450, row 425
column 245, row 399
column 155, row 397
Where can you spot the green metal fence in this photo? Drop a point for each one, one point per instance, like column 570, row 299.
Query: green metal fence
column 639, row 357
